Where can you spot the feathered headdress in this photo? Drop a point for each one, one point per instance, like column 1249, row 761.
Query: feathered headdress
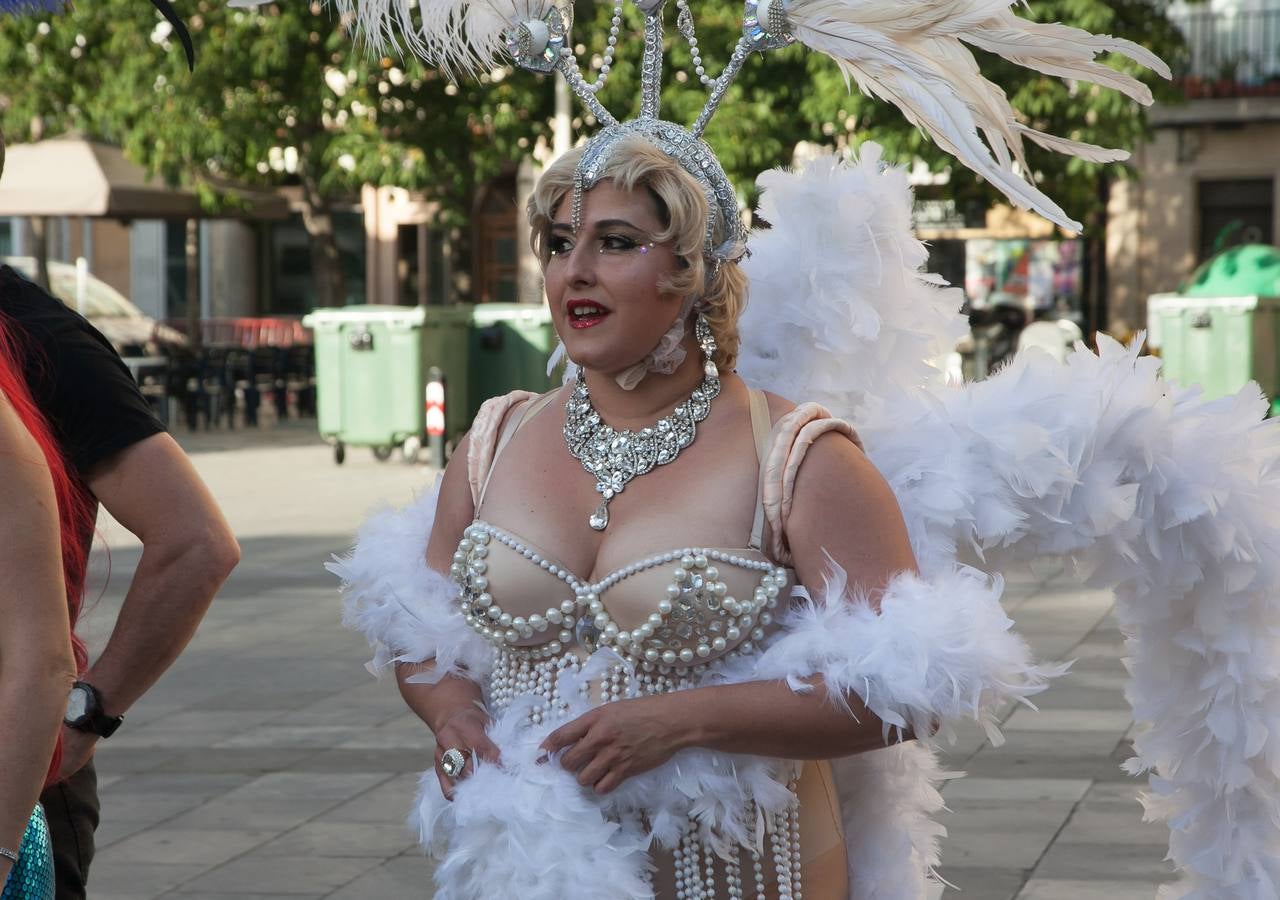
column 915, row 54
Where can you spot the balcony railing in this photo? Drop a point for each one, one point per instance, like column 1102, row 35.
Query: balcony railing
column 1230, row 53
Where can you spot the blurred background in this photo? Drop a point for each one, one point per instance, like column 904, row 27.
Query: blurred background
column 305, row 230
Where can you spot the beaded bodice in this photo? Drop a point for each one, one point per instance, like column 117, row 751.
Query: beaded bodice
column 673, row 618
column 669, row 611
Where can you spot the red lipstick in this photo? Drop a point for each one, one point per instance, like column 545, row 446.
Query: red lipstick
column 585, row 313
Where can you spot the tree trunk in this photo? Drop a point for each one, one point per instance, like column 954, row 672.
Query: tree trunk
column 1096, row 256
column 326, row 262
column 39, row 226
column 191, row 253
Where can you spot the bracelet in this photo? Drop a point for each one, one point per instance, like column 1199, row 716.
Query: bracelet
column 8, row 854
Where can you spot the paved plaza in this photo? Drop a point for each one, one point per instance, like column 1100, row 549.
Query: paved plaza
column 268, row 764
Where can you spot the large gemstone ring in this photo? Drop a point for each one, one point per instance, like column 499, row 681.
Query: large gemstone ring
column 452, row 762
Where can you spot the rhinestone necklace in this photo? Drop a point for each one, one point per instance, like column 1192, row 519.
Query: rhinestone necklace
column 616, row 457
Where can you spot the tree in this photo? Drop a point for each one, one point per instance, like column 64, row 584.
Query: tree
column 288, row 75
column 283, row 78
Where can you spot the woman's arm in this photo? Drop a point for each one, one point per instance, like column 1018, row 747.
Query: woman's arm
column 452, row 707
column 36, row 663
column 843, row 512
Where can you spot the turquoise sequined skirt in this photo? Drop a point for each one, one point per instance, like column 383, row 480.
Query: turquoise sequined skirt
column 31, row 877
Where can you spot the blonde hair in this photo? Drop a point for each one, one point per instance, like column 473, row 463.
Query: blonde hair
column 682, row 207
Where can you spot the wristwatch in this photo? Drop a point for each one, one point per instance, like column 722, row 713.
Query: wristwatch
column 84, row 711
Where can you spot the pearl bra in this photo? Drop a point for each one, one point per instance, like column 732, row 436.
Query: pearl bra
column 677, row 608
column 672, row 616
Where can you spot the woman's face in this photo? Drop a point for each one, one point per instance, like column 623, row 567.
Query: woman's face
column 602, row 283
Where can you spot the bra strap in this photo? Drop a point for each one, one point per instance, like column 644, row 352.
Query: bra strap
column 760, row 427
column 791, row 439
column 532, row 405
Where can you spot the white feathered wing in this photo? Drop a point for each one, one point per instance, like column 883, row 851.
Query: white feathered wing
column 1173, row 502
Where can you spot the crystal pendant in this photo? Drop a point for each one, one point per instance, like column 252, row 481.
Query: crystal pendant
column 587, row 634
column 600, row 518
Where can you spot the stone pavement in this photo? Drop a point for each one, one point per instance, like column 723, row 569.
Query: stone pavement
column 268, row 764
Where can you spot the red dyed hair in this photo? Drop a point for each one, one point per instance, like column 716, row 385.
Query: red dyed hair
column 75, row 511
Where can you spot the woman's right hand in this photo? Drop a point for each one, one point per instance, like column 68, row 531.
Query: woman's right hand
column 464, row 730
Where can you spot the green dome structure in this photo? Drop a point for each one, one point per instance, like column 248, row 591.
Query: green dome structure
column 1247, row 270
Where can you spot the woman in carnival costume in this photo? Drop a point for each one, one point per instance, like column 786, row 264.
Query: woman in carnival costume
column 670, row 631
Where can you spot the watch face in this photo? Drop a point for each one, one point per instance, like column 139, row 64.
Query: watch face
column 77, row 704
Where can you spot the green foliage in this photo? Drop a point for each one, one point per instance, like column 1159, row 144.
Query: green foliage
column 283, row 76
column 287, row 75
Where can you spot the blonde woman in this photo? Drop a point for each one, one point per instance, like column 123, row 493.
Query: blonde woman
column 632, row 692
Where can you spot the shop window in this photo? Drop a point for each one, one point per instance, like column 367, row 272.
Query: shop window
column 293, row 288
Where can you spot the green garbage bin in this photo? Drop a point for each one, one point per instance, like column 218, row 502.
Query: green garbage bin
column 1222, row 329
column 1218, row 343
column 510, row 346
column 372, row 368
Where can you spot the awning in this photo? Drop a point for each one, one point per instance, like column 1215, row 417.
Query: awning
column 76, row 177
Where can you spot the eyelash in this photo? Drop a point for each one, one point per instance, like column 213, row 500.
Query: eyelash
column 559, row 244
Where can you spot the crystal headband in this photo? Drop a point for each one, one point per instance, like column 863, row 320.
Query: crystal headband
column 693, row 155
column 913, row 53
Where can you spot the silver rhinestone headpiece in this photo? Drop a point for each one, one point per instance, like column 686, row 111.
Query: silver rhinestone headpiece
column 542, row 45
column 915, row 55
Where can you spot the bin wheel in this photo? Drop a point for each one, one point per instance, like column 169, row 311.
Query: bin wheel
column 410, row 448
column 339, row 453
column 382, row 454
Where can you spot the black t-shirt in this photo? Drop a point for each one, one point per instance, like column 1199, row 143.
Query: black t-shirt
column 76, row 378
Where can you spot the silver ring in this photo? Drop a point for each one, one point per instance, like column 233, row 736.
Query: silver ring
column 452, row 762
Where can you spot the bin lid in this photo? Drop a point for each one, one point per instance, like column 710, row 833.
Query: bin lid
column 365, row 312
column 492, row 313
column 1176, row 304
column 1242, row 271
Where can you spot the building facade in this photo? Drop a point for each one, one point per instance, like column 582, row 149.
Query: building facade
column 1207, row 179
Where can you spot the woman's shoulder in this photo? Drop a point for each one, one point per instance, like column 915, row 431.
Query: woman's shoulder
column 802, row 411
column 496, row 409
column 798, row 425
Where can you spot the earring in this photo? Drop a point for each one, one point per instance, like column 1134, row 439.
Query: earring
column 707, row 344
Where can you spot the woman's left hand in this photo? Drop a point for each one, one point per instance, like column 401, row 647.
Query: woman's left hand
column 617, row 740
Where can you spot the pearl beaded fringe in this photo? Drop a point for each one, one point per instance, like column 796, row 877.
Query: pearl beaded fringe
column 699, row 873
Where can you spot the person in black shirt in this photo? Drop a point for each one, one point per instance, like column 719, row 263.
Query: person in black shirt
column 124, row 459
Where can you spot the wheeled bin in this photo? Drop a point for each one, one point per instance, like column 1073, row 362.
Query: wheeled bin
column 1221, row 330
column 510, row 346
column 373, row 365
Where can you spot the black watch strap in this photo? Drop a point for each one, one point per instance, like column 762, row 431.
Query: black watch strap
column 94, row 720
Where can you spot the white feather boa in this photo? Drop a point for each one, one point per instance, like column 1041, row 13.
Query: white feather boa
column 1171, row 501
column 407, row 611
column 1174, row 503
column 935, row 653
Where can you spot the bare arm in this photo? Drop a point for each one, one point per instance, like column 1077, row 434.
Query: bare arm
column 451, row 707
column 36, row 664
column 188, row 550
column 843, row 507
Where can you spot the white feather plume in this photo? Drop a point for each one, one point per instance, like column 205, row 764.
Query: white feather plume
column 888, row 799
column 1171, row 501
column 408, row 612
column 459, row 36
column 871, row 320
column 913, row 55
column 1174, row 503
